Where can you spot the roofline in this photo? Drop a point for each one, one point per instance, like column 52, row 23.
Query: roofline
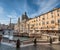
column 45, row 13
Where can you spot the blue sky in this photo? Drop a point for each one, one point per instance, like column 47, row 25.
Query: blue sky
column 15, row 8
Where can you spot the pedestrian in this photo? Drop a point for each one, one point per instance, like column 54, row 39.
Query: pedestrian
column 35, row 41
column 18, row 44
column 50, row 40
column 59, row 37
column 0, row 38
column 3, row 33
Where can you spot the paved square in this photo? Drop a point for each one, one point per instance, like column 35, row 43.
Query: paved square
column 31, row 47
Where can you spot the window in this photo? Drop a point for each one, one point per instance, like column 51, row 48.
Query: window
column 41, row 27
column 58, row 14
column 59, row 28
column 58, row 10
column 39, row 24
column 52, row 14
column 37, row 30
column 47, row 22
column 43, row 18
column 52, row 21
column 47, row 26
column 36, row 24
column 34, row 20
column 52, row 28
column 58, row 20
column 43, row 23
column 39, row 19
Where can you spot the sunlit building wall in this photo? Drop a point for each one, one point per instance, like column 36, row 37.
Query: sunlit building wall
column 47, row 21
column 41, row 24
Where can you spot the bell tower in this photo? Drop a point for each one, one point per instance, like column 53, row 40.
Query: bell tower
column 24, row 17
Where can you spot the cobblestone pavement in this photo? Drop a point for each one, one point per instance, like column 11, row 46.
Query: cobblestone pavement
column 31, row 47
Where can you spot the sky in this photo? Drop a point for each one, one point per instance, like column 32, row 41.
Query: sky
column 15, row 8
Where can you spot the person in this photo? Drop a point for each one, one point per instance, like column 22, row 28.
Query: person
column 3, row 32
column 0, row 38
column 59, row 37
column 35, row 41
column 50, row 40
column 18, row 44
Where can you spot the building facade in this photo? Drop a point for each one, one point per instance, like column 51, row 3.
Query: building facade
column 21, row 25
column 3, row 26
column 46, row 23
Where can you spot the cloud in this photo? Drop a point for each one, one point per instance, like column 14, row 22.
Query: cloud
column 4, row 21
column 2, row 13
column 5, row 16
column 1, row 10
column 12, row 14
column 45, row 6
column 33, row 8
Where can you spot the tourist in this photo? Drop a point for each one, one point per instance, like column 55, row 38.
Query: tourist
column 50, row 40
column 0, row 38
column 18, row 44
column 3, row 32
column 35, row 41
column 59, row 37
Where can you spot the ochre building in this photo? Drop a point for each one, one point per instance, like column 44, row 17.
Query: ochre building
column 48, row 23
